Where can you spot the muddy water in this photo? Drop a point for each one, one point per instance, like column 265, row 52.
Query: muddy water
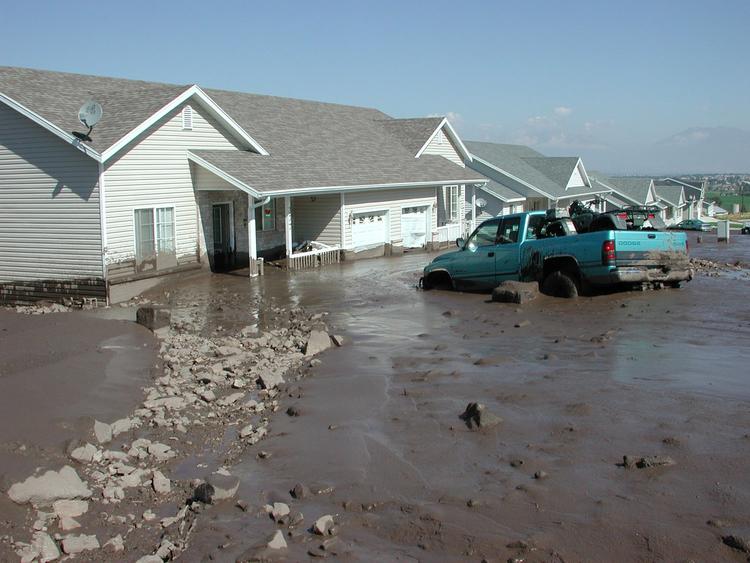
column 587, row 382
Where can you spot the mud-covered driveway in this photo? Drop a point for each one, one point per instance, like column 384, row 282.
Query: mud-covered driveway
column 581, row 385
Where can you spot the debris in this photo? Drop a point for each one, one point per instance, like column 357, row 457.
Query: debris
column 523, row 324
column 153, row 318
column 645, row 462
column 515, row 292
column 115, row 544
column 84, row 454
column 477, row 416
column 540, row 474
column 161, row 484
column 203, row 493
column 738, row 542
column 300, row 491
column 70, row 508
column 51, row 486
column 224, row 486
column 338, row 340
column 279, row 510
column 103, row 432
column 77, row 544
column 277, row 541
column 317, row 342
column 42, row 548
column 293, row 411
column 271, row 380
column 324, row 525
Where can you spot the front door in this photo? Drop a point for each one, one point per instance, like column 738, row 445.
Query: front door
column 475, row 268
column 222, row 231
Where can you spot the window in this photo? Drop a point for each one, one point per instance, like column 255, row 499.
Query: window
column 536, row 222
column 485, row 235
column 154, row 232
column 187, row 118
column 265, row 217
column 452, row 201
column 508, row 232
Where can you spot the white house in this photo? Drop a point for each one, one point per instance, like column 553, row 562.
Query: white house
column 179, row 177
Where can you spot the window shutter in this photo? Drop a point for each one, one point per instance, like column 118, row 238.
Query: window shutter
column 187, row 118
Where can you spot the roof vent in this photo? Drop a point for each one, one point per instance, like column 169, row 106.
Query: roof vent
column 187, row 118
column 440, row 137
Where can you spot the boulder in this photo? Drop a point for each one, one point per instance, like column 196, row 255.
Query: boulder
column 123, row 425
column 271, row 380
column 51, row 486
column 279, row 510
column 324, row 525
column 476, row 415
column 161, row 484
column 84, row 454
column 115, row 544
column 277, row 541
column 317, row 342
column 70, row 508
column 203, row 493
column 77, row 544
column 515, row 292
column 225, row 486
column 42, row 548
column 153, row 318
column 103, row 432
column 300, row 491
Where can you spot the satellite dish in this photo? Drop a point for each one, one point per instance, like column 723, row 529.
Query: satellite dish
column 90, row 113
column 481, row 203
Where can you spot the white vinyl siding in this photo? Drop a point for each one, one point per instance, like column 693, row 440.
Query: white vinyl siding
column 49, row 205
column 576, row 179
column 446, row 148
column 318, row 220
column 392, row 201
column 155, row 172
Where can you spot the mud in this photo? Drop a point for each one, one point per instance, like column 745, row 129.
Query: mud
column 379, row 442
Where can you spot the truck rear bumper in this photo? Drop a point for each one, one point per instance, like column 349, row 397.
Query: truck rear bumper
column 643, row 275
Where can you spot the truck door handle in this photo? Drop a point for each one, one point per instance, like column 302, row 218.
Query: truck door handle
column 490, row 254
column 651, row 235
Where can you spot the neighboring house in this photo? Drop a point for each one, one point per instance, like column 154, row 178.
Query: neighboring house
column 179, row 177
column 674, row 198
column 542, row 182
column 694, row 194
column 642, row 191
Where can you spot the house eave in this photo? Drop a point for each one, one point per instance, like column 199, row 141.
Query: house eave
column 512, row 177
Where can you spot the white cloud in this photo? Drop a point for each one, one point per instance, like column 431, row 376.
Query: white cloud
column 563, row 111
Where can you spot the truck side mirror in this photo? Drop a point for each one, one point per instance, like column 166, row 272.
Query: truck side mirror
column 460, row 242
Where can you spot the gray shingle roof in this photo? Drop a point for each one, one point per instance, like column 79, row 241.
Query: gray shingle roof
column 279, row 172
column 693, row 190
column 670, row 194
column 548, row 174
column 57, row 96
column 503, row 193
column 311, row 143
column 413, row 132
column 633, row 187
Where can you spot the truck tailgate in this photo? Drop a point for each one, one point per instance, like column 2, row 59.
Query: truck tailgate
column 650, row 248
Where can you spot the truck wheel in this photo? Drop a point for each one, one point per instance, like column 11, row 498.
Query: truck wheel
column 560, row 284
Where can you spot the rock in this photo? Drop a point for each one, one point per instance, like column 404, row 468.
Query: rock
column 242, row 505
column 630, row 462
column 231, row 399
column 42, row 549
column 277, row 541
column 338, row 340
column 123, row 425
column 224, row 486
column 150, row 559
column 300, row 491
column 148, row 515
column 161, row 484
column 84, row 454
column 161, row 452
column 271, row 380
column 279, row 510
column 238, row 384
column 77, row 544
column 317, row 342
column 153, row 318
column 515, row 292
column 67, row 523
column 70, row 508
column 115, row 544
column 103, row 432
column 51, row 486
column 324, row 525
column 293, row 411
column 203, row 493
column 540, row 474
column 166, row 550
column 208, row 396
column 477, row 416
column 523, row 324
column 738, row 542
column 246, row 431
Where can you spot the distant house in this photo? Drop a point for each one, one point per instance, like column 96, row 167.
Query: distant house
column 693, row 192
column 674, row 197
column 523, row 178
column 178, row 177
column 642, row 191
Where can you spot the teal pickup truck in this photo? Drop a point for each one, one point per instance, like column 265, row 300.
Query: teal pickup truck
column 529, row 247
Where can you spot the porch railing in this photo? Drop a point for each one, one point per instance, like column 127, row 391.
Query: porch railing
column 322, row 256
column 449, row 233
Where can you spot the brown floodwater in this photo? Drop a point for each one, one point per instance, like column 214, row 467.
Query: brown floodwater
column 588, row 381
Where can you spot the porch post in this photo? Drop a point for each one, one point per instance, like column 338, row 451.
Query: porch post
column 288, row 224
column 473, row 207
column 251, row 236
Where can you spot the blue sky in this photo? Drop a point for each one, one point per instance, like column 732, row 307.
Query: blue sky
column 615, row 82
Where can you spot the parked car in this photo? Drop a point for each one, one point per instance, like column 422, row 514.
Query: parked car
column 691, row 225
column 529, row 246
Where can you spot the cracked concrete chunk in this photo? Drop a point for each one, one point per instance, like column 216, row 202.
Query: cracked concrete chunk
column 49, row 487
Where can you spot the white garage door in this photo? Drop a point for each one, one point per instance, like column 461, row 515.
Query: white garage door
column 369, row 229
column 414, row 221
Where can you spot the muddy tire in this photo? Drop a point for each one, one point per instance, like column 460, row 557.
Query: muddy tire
column 560, row 284
column 438, row 280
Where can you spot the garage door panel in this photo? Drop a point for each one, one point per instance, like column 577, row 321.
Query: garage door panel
column 369, row 229
column 414, row 226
